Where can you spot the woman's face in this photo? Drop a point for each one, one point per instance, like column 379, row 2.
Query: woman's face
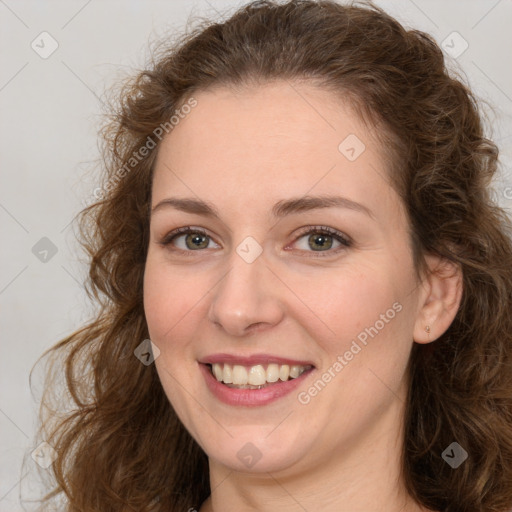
column 276, row 275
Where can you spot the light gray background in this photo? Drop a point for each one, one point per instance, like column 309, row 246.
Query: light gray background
column 50, row 114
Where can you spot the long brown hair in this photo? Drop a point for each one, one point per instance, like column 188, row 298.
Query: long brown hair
column 121, row 446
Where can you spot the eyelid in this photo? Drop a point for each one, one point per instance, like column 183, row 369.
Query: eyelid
column 324, row 229
column 175, row 233
column 343, row 239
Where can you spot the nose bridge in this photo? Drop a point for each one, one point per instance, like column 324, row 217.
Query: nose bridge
column 245, row 296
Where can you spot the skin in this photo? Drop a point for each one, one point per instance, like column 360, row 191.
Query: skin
column 243, row 151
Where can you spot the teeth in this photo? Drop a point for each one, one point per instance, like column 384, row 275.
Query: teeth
column 257, row 376
column 227, row 375
column 284, row 372
column 217, row 371
column 240, row 376
column 272, row 373
column 294, row 371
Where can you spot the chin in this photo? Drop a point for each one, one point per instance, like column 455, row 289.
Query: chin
column 251, row 460
column 255, row 452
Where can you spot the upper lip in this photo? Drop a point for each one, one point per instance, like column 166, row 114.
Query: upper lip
column 252, row 360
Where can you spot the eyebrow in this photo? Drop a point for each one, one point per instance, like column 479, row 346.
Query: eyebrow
column 280, row 209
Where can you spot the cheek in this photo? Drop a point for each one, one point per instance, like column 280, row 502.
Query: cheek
column 361, row 315
column 376, row 341
column 347, row 300
column 170, row 303
column 169, row 297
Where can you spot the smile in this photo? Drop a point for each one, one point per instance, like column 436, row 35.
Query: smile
column 257, row 376
column 276, row 381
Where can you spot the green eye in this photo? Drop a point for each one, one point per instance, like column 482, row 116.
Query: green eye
column 322, row 239
column 195, row 241
column 314, row 239
column 319, row 241
column 193, row 238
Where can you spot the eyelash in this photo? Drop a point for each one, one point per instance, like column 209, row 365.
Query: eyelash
column 321, row 230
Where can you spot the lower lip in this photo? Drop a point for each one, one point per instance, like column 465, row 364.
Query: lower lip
column 250, row 397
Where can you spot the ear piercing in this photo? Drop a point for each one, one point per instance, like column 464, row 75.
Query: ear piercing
column 427, row 329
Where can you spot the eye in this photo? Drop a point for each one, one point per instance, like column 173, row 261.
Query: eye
column 322, row 239
column 319, row 239
column 187, row 239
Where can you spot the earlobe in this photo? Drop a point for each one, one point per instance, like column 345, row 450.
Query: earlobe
column 440, row 301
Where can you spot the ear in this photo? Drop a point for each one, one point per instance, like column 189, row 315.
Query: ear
column 440, row 300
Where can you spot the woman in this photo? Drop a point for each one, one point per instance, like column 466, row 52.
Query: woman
column 305, row 287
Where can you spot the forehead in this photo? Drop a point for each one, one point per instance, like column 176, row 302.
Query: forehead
column 280, row 139
column 262, row 122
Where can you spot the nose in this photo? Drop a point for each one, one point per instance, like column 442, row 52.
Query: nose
column 247, row 298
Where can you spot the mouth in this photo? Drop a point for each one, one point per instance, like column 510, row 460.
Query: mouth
column 259, row 381
column 257, row 376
